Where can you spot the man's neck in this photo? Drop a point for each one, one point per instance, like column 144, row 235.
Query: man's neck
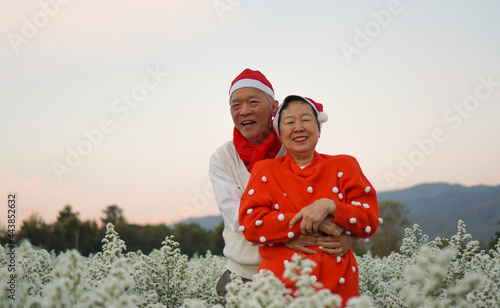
column 259, row 139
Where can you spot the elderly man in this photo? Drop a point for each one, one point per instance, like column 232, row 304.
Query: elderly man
column 252, row 105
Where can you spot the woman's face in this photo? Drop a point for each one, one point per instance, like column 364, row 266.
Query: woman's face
column 299, row 130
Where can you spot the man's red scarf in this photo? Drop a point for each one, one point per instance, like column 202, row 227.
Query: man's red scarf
column 250, row 153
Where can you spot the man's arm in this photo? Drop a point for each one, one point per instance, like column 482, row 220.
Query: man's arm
column 337, row 246
column 227, row 192
column 333, row 241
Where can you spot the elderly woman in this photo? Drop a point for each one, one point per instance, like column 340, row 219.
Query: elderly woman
column 311, row 188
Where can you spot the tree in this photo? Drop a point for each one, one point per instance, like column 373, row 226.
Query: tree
column 143, row 238
column 390, row 233
column 66, row 230
column 35, row 230
column 66, row 212
column 496, row 238
column 192, row 238
column 4, row 237
column 216, row 240
column 90, row 237
column 113, row 214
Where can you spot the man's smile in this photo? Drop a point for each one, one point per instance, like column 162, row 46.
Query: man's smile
column 248, row 122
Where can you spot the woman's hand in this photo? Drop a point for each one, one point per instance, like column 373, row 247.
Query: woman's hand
column 337, row 246
column 300, row 242
column 313, row 215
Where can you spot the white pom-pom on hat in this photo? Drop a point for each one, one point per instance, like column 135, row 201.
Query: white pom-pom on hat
column 322, row 117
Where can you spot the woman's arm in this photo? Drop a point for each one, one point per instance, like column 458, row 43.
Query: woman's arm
column 264, row 216
column 313, row 215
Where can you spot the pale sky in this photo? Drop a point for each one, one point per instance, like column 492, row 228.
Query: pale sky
column 123, row 102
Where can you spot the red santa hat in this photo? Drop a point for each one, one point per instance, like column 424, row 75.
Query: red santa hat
column 318, row 108
column 253, row 79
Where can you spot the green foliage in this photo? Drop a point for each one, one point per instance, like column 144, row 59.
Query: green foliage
column 69, row 232
column 216, row 240
column 143, row 238
column 36, row 230
column 192, row 237
column 496, row 238
column 113, row 214
column 389, row 234
column 90, row 236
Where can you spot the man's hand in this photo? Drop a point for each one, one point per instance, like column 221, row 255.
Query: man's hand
column 313, row 215
column 337, row 246
column 300, row 242
column 329, row 227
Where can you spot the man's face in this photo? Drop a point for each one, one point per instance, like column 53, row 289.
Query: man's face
column 251, row 111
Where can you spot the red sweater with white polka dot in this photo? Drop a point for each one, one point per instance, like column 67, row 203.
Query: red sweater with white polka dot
column 278, row 189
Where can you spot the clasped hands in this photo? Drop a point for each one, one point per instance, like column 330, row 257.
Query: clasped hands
column 318, row 229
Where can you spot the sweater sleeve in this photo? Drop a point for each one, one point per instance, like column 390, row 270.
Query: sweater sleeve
column 357, row 205
column 227, row 192
column 262, row 220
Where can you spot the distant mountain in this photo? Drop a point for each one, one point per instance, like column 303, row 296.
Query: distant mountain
column 436, row 208
column 207, row 222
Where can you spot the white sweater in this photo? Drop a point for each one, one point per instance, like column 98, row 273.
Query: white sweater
column 229, row 180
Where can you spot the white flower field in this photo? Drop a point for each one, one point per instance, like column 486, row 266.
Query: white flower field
column 440, row 273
